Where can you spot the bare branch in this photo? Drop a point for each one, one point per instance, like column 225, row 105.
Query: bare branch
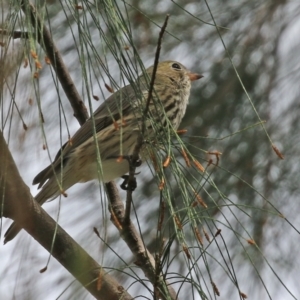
column 157, row 53
column 130, row 235
column 18, row 204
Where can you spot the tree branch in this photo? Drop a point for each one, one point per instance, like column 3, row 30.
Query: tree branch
column 45, row 40
column 18, row 204
column 130, row 235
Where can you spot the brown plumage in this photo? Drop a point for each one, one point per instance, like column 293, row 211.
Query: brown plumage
column 118, row 123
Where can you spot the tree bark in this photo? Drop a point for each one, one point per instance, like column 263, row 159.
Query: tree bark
column 18, row 204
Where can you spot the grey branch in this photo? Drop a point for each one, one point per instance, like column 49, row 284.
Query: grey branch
column 18, row 204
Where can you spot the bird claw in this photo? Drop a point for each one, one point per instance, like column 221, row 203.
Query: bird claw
column 129, row 183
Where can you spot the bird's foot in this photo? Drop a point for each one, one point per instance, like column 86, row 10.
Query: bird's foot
column 129, row 182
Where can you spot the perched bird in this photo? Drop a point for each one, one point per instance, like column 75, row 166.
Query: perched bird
column 117, row 123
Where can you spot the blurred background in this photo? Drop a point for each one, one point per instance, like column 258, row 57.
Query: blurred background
column 252, row 195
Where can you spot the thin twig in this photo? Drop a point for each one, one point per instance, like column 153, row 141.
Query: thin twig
column 157, row 53
column 140, row 140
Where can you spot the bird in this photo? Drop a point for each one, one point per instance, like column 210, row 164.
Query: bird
column 117, row 124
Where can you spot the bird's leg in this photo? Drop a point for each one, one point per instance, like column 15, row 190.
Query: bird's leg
column 129, row 182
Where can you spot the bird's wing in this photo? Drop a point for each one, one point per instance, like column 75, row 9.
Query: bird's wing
column 109, row 111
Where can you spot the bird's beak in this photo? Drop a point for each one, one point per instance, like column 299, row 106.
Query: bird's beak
column 194, row 76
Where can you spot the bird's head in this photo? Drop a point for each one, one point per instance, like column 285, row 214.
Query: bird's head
column 174, row 70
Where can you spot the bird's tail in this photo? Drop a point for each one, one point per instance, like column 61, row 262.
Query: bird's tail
column 12, row 231
column 49, row 191
column 46, row 193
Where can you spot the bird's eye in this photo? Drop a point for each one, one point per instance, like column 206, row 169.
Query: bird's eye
column 176, row 66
